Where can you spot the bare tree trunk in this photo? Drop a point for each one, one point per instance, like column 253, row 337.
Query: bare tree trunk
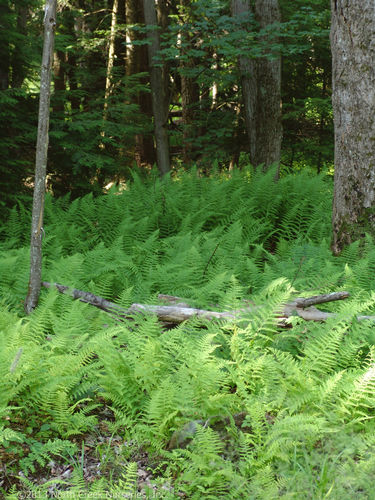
column 162, row 10
column 5, row 14
column 59, row 67
column 235, row 158
column 353, row 56
column 189, row 92
column 111, row 56
column 157, row 89
column 32, row 297
column 18, row 61
column 189, row 103
column 137, row 62
column 133, row 16
column 215, row 86
column 247, row 67
column 268, row 126
column 120, row 46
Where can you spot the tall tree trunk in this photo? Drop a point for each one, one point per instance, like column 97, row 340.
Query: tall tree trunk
column 247, row 66
column 33, row 293
column 215, row 87
column 137, row 62
column 189, row 103
column 133, row 15
column 120, row 46
column 322, row 122
column 163, row 21
column 59, row 66
column 261, row 88
column 75, row 27
column 189, row 92
column 157, row 89
column 19, row 55
column 111, row 56
column 353, row 56
column 268, row 123
column 4, row 45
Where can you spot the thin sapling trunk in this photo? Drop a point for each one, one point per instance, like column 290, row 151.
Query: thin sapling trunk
column 32, row 297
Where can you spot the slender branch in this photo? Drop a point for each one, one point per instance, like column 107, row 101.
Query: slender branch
column 211, row 257
column 87, row 297
column 302, row 259
column 320, row 299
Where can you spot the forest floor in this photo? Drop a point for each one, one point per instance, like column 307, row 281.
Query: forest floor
column 237, row 407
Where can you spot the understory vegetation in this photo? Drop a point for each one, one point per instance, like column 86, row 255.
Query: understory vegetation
column 206, row 409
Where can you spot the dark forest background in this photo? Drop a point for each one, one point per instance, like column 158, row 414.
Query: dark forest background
column 101, row 125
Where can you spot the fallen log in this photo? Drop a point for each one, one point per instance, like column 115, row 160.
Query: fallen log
column 180, row 311
column 169, row 314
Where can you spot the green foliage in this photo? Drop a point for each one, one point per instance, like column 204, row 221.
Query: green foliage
column 89, row 147
column 239, row 409
column 96, row 134
column 306, row 87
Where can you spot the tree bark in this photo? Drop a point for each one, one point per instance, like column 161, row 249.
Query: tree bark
column 5, row 14
column 157, row 89
column 59, row 70
column 353, row 56
column 19, row 56
column 111, row 56
column 261, row 87
column 137, row 62
column 32, row 297
column 162, row 11
column 268, row 114
column 189, row 91
column 247, row 67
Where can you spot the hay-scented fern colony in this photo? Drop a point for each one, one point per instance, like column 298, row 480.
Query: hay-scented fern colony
column 239, row 409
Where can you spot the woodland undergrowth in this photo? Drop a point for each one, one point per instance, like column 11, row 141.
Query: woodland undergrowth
column 239, row 409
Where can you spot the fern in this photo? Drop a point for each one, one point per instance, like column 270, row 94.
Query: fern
column 42, row 453
column 302, row 392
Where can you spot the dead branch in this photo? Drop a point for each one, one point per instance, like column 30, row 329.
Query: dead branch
column 87, row 297
column 180, row 311
column 320, row 299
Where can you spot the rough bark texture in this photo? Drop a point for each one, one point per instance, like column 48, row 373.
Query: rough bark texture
column 189, row 94
column 247, row 68
column 59, row 84
column 137, row 62
column 261, row 87
column 353, row 56
column 157, row 89
column 32, row 298
column 268, row 123
column 189, row 104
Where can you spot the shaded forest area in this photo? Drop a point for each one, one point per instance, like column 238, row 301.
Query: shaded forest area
column 184, row 179
column 101, row 123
